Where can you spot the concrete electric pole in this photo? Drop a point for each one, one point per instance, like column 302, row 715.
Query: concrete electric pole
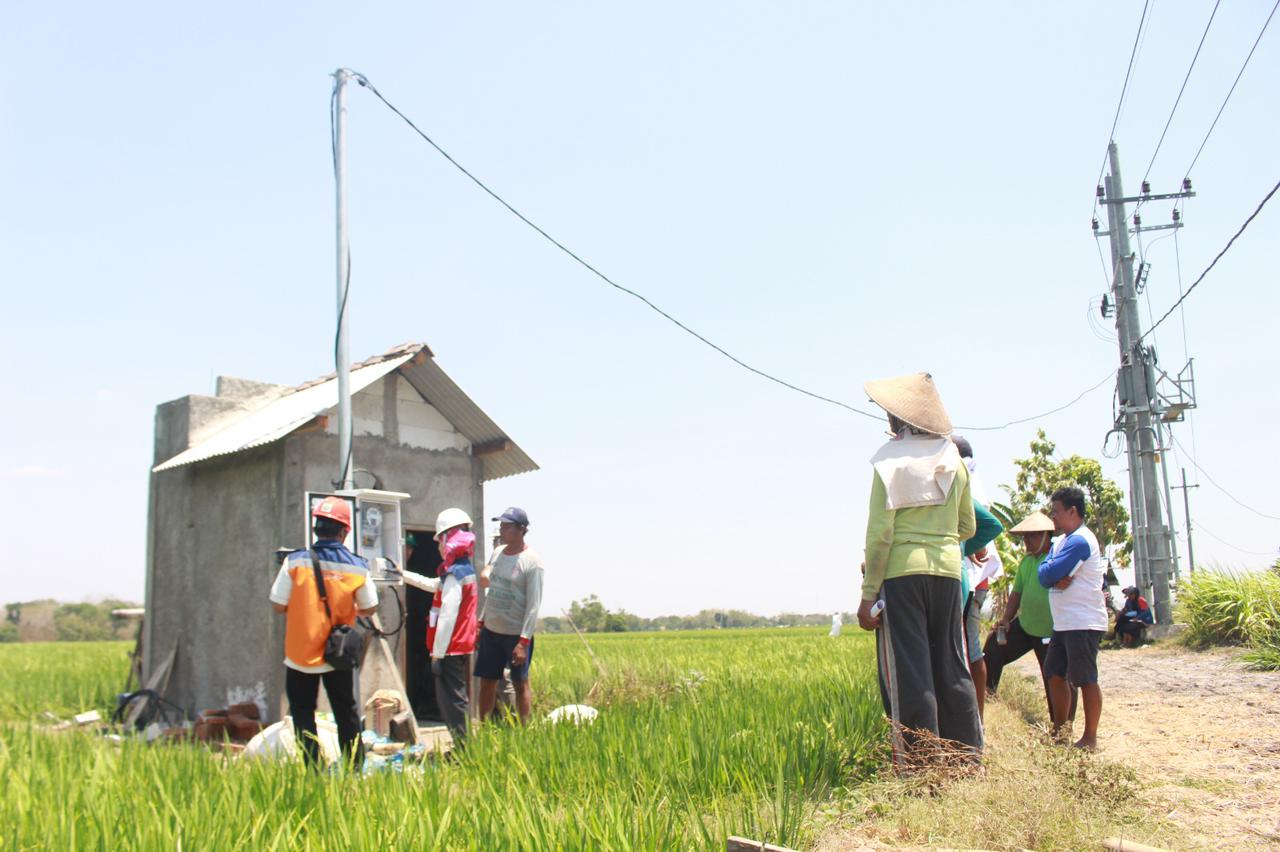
column 1144, row 411
column 1186, row 507
column 342, row 359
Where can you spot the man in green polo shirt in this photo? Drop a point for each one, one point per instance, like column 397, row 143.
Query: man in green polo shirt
column 1027, row 623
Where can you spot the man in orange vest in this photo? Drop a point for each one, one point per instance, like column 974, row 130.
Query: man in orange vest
column 350, row 592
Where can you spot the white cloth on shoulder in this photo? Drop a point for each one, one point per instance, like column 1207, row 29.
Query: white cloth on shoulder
column 917, row 470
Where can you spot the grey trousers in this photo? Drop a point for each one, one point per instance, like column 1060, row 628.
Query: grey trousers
column 924, row 667
column 452, row 674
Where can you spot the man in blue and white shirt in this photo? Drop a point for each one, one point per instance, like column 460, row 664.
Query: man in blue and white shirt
column 1073, row 574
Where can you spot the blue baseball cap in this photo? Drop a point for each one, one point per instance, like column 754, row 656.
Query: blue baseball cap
column 514, row 515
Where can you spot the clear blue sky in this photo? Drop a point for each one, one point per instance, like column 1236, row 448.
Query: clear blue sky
column 833, row 191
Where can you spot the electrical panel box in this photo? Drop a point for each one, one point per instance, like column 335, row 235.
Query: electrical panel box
column 376, row 531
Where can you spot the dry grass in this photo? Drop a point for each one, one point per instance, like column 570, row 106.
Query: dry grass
column 1028, row 795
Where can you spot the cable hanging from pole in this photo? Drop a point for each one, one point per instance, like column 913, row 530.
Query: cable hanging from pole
column 365, row 83
column 1213, row 482
column 1230, row 91
column 1212, row 263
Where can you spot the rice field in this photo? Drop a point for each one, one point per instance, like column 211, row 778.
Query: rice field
column 701, row 735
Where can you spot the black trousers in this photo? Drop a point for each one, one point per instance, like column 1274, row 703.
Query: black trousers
column 452, row 675
column 924, row 670
column 302, row 690
column 1018, row 643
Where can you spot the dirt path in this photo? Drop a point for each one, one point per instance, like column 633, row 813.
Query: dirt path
column 1203, row 734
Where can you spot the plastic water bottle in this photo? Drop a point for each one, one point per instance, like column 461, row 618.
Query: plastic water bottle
column 877, row 608
column 1002, row 635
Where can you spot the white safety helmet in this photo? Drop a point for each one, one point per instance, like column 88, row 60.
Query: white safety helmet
column 450, row 518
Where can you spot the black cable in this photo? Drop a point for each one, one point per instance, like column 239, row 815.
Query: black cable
column 1187, row 173
column 1123, row 90
column 1081, row 396
column 1233, row 497
column 1178, row 99
column 1212, row 264
column 364, row 81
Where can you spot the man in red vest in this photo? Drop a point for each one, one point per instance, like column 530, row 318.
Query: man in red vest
column 451, row 628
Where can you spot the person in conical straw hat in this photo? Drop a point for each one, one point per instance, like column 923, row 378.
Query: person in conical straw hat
column 1026, row 623
column 921, row 511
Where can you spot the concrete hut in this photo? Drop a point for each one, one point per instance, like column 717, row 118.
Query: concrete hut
column 228, row 488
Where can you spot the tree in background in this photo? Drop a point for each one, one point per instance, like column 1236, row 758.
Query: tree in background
column 1039, row 475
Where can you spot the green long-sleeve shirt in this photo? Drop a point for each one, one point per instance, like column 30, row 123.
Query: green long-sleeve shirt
column 918, row 540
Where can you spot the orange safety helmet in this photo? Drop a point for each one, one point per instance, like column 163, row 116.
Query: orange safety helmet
column 335, row 509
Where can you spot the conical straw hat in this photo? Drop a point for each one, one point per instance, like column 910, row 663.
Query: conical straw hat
column 912, row 399
column 1033, row 523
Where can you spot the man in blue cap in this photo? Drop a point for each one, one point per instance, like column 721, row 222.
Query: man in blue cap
column 510, row 613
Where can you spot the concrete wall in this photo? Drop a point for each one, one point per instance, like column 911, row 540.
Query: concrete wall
column 214, row 524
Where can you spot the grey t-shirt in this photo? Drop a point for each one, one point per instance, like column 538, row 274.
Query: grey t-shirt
column 515, row 594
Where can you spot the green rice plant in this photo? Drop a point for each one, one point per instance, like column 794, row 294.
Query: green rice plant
column 63, row 678
column 700, row 735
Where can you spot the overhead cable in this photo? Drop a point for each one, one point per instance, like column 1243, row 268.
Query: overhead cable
column 1178, row 99
column 1213, row 482
column 1199, row 527
column 1212, row 263
column 364, row 81
column 1080, row 396
column 1205, row 141
column 1137, row 37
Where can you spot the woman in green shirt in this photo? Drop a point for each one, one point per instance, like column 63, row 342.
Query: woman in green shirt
column 921, row 512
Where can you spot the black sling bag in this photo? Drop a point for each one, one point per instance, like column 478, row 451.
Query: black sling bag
column 345, row 642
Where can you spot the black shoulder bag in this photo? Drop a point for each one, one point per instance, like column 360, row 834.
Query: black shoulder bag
column 343, row 647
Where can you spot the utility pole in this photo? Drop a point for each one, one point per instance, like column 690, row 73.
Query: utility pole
column 1141, row 407
column 342, row 365
column 1186, row 507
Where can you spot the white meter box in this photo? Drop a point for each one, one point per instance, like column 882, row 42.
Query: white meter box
column 376, row 531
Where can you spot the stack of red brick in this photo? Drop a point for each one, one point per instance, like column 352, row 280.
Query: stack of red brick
column 238, row 723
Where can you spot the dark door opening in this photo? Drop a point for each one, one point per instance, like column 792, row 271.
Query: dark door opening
column 418, row 681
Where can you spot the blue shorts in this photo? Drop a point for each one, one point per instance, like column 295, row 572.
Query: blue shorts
column 493, row 654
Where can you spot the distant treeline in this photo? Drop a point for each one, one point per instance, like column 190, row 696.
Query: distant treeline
column 49, row 621
column 590, row 616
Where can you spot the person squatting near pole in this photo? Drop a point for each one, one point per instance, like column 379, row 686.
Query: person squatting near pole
column 350, row 592
column 980, row 564
column 1026, row 624
column 1133, row 618
column 451, row 627
column 921, row 509
column 510, row 616
column 1073, row 573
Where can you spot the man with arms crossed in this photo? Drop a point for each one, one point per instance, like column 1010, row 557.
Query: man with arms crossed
column 510, row 613
column 1073, row 575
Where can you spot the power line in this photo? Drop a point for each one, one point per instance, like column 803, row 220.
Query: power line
column 1079, row 397
column 1178, row 99
column 1232, row 89
column 364, row 81
column 1214, row 262
column 1201, row 528
column 1212, row 481
column 1137, row 37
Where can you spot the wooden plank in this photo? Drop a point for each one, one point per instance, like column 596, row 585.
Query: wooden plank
column 1119, row 844
column 742, row 844
column 158, row 681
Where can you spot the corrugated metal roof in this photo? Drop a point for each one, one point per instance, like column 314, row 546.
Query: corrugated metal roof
column 300, row 405
column 438, row 389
